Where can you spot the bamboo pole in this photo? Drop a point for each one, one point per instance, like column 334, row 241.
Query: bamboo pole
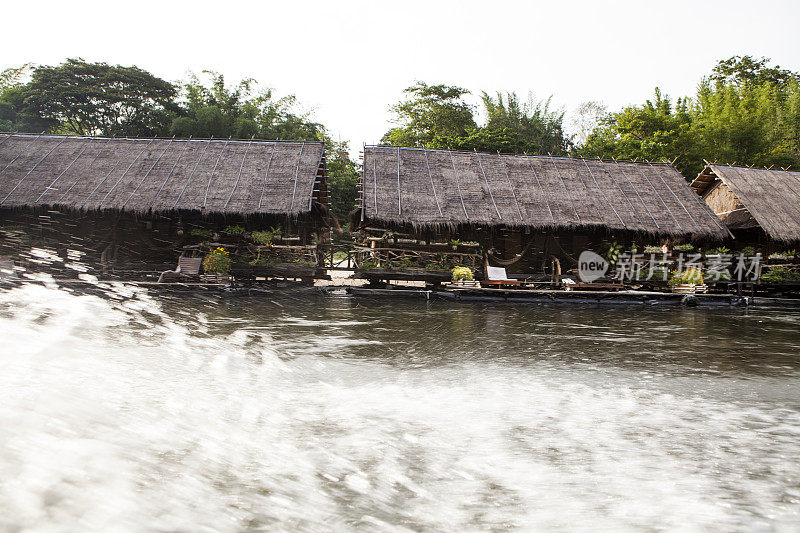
column 21, row 152
column 191, row 175
column 149, row 171
column 603, row 193
column 399, row 203
column 433, row 187
column 239, row 175
column 78, row 178
column 296, row 175
column 50, row 187
column 511, row 186
column 266, row 176
column 31, row 170
column 488, row 188
column 174, row 165
column 213, row 171
column 458, row 185
column 126, row 172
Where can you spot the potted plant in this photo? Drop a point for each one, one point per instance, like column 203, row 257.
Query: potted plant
column 690, row 281
column 217, row 263
column 462, row 276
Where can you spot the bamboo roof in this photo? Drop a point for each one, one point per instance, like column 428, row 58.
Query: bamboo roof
column 772, row 197
column 140, row 175
column 434, row 187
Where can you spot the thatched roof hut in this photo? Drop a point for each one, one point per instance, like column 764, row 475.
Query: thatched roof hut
column 161, row 175
column 430, row 188
column 747, row 198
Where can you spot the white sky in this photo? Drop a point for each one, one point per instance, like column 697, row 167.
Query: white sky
column 350, row 60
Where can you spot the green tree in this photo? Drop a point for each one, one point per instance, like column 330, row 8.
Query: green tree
column 745, row 112
column 655, row 131
column 13, row 116
column 342, row 181
column 531, row 126
column 436, row 116
column 751, row 123
column 433, row 116
column 99, row 99
column 213, row 109
column 743, row 70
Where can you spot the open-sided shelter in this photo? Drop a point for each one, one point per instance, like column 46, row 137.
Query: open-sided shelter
column 553, row 205
column 759, row 206
column 121, row 190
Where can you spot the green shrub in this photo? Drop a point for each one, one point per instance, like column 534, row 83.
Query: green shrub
column 462, row 274
column 780, row 274
column 789, row 254
column 719, row 251
column 199, row 232
column 684, row 248
column 265, row 237
column 407, row 262
column 719, row 276
column 656, row 274
column 749, row 250
column 611, row 252
column 233, row 230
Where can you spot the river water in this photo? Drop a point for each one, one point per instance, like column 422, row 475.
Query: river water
column 127, row 411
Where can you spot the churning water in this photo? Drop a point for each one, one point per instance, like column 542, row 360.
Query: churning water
column 124, row 411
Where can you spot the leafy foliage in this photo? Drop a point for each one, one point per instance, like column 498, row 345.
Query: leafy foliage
column 265, row 237
column 780, row 274
column 721, row 250
column 656, row 130
column 203, row 233
column 462, row 274
column 234, row 230
column 611, row 251
column 99, row 99
column 212, row 109
column 744, row 70
column 436, row 117
column 13, row 115
column 342, row 181
column 745, row 112
column 532, row 126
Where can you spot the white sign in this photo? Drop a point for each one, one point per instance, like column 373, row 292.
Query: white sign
column 591, row 266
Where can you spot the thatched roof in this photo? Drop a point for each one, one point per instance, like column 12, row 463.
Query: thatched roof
column 433, row 187
column 212, row 176
column 771, row 197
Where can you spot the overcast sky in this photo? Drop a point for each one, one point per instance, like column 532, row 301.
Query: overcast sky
column 349, row 61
